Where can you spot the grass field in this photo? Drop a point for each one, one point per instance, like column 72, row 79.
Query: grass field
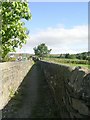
column 69, row 62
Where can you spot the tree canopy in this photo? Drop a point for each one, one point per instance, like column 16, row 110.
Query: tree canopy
column 13, row 31
column 41, row 50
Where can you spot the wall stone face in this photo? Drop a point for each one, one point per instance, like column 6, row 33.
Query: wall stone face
column 70, row 88
column 11, row 76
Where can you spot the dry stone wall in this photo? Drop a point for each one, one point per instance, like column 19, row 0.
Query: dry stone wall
column 70, row 88
column 11, row 76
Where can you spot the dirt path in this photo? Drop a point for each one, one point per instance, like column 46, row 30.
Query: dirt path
column 33, row 98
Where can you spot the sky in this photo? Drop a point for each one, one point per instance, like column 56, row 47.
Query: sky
column 62, row 26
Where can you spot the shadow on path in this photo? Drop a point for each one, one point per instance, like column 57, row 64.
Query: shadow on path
column 33, row 98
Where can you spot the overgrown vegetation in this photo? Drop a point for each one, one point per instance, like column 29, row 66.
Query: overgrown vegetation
column 13, row 31
column 70, row 62
column 80, row 56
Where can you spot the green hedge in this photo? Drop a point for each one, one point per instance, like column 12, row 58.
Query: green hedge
column 73, row 61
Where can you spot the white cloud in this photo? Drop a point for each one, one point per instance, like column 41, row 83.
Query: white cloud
column 60, row 39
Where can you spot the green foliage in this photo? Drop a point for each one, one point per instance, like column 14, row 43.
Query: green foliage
column 70, row 62
column 70, row 56
column 67, row 55
column 79, row 56
column 13, row 32
column 73, row 61
column 5, row 59
column 88, row 58
column 12, row 92
column 41, row 50
column 8, row 59
column 12, row 59
column 0, row 50
column 83, row 56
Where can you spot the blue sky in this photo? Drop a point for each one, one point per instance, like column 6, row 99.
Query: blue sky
column 61, row 25
column 51, row 14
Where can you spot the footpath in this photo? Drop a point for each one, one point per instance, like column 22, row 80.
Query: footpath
column 33, row 98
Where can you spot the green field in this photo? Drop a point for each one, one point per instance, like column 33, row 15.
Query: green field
column 69, row 62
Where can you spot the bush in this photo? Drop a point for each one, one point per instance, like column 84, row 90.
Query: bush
column 73, row 61
column 7, row 59
column 12, row 59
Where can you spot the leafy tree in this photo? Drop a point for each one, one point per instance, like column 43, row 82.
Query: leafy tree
column 13, row 31
column 79, row 56
column 41, row 50
column 72, row 56
column 84, row 56
column 67, row 55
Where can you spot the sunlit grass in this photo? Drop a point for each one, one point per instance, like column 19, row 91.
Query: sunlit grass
column 65, row 62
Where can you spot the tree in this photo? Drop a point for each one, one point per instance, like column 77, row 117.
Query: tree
column 67, row 55
column 84, row 56
column 13, row 31
column 41, row 50
column 72, row 56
